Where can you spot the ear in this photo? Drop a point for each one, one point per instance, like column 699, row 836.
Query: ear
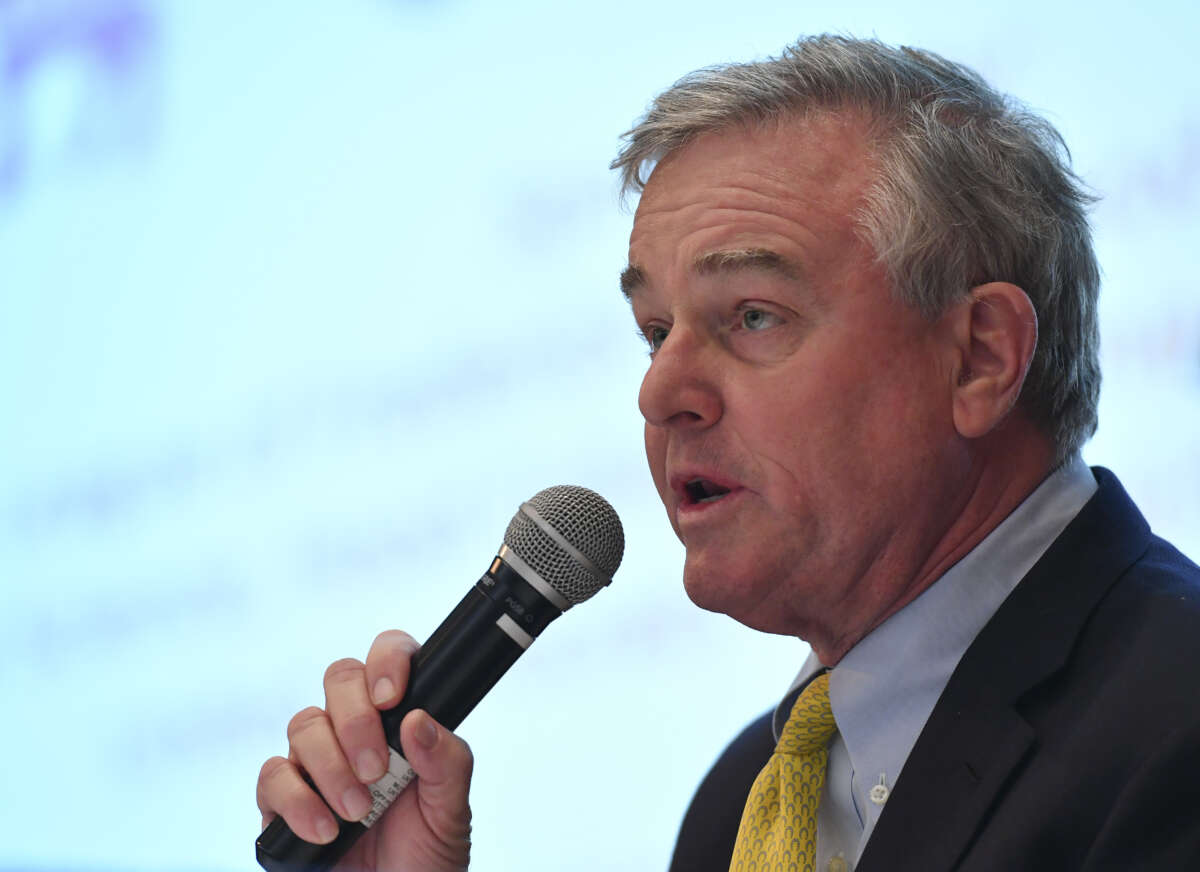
column 996, row 333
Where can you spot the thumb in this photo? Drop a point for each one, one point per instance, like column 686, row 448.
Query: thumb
column 443, row 763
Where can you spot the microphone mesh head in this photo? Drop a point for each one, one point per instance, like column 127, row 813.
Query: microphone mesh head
column 587, row 522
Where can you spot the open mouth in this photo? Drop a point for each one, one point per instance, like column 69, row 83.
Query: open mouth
column 701, row 490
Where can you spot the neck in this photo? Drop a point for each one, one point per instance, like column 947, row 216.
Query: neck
column 1000, row 471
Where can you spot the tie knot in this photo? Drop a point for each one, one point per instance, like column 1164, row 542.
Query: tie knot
column 810, row 725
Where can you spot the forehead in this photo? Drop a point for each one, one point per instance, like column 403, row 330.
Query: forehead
column 791, row 186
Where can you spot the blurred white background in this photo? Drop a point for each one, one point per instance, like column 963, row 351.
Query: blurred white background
column 301, row 300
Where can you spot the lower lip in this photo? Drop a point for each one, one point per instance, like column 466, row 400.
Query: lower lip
column 691, row 512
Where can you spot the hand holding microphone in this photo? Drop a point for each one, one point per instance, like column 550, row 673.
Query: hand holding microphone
column 342, row 749
column 562, row 546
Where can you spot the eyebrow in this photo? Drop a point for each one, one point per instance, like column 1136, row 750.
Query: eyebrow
column 632, row 278
column 741, row 259
column 716, row 262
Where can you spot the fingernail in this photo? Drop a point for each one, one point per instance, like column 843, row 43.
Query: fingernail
column 384, row 691
column 357, row 802
column 326, row 829
column 370, row 765
column 426, row 733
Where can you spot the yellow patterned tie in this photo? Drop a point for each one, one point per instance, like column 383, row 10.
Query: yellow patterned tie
column 778, row 832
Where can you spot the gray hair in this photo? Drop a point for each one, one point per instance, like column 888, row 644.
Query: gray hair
column 972, row 188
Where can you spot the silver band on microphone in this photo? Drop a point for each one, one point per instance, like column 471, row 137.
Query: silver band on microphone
column 535, row 581
column 514, row 631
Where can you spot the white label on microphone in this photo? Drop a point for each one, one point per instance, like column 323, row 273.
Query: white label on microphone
column 386, row 789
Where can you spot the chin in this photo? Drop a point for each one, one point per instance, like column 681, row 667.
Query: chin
column 702, row 596
column 722, row 592
column 751, row 598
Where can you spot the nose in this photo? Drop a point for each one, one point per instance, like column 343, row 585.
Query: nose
column 679, row 389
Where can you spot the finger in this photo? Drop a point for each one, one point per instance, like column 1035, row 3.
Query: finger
column 443, row 763
column 315, row 748
column 282, row 791
column 388, row 666
column 356, row 721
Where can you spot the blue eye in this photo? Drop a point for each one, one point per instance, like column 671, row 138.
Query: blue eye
column 757, row 319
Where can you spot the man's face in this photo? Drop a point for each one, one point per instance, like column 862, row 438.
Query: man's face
column 798, row 418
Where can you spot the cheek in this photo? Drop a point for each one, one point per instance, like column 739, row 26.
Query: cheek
column 819, row 439
column 810, row 422
column 656, row 456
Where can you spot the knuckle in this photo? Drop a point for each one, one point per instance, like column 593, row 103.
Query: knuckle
column 359, row 723
column 272, row 789
column 453, row 827
column 303, row 720
column 346, row 669
column 272, row 769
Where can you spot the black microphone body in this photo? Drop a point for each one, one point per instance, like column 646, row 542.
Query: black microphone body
column 461, row 661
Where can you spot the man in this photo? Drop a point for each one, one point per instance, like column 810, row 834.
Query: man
column 868, row 288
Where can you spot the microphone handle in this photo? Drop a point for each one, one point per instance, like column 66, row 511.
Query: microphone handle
column 464, row 658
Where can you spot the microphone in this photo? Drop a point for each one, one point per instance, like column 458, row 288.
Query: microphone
column 562, row 545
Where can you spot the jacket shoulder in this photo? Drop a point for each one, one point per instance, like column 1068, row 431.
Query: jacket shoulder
column 710, row 824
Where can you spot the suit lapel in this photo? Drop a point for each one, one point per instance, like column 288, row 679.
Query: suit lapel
column 975, row 737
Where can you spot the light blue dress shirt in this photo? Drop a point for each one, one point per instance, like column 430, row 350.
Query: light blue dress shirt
column 883, row 690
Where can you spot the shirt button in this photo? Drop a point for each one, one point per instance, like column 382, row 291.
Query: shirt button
column 879, row 794
column 838, row 864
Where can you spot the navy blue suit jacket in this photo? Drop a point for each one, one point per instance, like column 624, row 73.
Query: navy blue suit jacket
column 1068, row 737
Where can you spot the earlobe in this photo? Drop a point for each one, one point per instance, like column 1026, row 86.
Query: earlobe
column 997, row 336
